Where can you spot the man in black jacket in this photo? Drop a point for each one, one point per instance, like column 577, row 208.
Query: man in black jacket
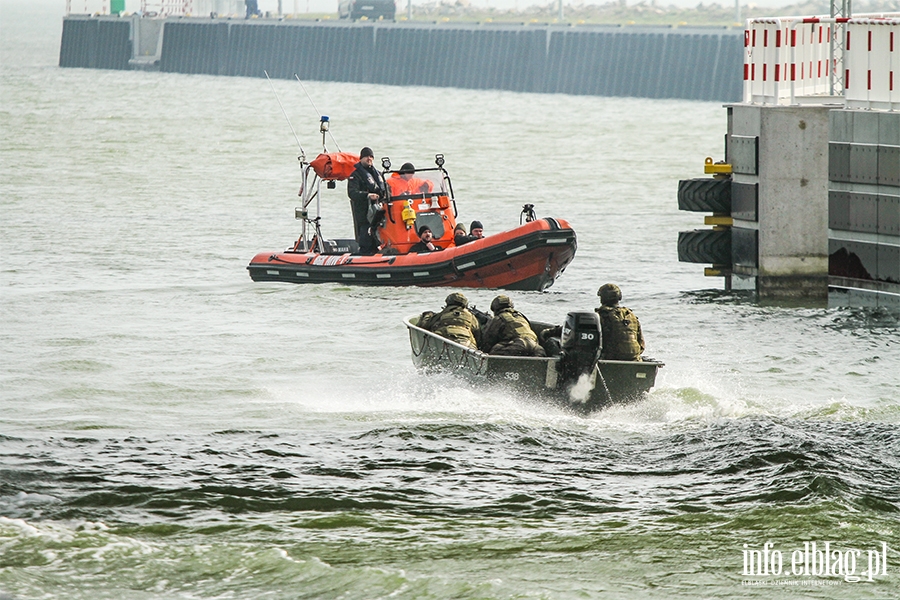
column 425, row 243
column 365, row 187
column 477, row 233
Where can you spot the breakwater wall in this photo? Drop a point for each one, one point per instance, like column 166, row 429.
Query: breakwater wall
column 101, row 43
column 649, row 62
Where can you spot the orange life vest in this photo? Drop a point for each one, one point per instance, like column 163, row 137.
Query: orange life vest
column 399, row 186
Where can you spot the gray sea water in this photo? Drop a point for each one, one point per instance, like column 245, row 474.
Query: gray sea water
column 169, row 429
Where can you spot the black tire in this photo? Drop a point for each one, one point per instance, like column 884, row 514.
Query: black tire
column 705, row 246
column 705, row 195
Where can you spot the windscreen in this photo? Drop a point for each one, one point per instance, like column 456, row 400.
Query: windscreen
column 419, row 186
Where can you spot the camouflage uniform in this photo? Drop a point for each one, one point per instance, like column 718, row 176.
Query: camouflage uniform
column 509, row 333
column 455, row 322
column 622, row 335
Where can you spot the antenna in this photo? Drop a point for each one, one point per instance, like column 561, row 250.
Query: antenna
column 302, row 151
column 331, row 135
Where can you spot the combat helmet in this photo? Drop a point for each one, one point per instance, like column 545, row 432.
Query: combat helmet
column 501, row 302
column 457, row 299
column 610, row 294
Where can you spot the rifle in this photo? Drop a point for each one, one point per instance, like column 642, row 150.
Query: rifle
column 482, row 316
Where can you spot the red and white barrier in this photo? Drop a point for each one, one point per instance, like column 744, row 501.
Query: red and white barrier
column 763, row 61
column 793, row 60
column 788, row 57
column 872, row 64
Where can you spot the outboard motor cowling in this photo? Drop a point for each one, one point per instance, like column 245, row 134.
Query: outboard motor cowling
column 581, row 343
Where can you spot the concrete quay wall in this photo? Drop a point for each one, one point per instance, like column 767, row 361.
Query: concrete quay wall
column 648, row 62
column 864, row 207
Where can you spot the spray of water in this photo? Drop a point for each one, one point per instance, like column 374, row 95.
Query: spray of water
column 581, row 390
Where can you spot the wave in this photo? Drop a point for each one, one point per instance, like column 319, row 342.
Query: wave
column 444, row 468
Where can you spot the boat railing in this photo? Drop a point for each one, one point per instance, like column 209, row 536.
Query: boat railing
column 643, row 361
column 162, row 8
column 467, row 356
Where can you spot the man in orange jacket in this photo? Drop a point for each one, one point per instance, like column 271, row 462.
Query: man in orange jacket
column 404, row 182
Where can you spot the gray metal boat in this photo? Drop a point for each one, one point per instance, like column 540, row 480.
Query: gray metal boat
column 575, row 379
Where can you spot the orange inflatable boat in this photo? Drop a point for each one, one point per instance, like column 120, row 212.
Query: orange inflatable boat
column 528, row 257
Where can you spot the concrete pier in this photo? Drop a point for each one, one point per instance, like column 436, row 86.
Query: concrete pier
column 779, row 154
column 811, row 212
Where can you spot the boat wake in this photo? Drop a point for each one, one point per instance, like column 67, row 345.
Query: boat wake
column 678, row 404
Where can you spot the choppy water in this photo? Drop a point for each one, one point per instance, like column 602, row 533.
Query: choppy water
column 170, row 429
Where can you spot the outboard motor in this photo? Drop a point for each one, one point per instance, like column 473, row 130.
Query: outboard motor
column 581, row 343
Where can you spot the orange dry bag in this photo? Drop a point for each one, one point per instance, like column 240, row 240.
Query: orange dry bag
column 336, row 165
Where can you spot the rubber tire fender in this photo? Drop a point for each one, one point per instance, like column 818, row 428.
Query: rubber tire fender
column 709, row 246
column 705, row 194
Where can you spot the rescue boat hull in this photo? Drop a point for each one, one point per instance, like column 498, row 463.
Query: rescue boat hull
column 612, row 382
column 529, row 257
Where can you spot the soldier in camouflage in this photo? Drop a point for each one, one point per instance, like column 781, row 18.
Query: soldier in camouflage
column 622, row 336
column 509, row 333
column 455, row 322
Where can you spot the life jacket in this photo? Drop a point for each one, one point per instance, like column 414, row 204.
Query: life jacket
column 458, row 324
column 622, row 337
column 414, row 185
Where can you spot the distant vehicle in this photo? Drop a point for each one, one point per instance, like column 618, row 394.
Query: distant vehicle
column 370, row 9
